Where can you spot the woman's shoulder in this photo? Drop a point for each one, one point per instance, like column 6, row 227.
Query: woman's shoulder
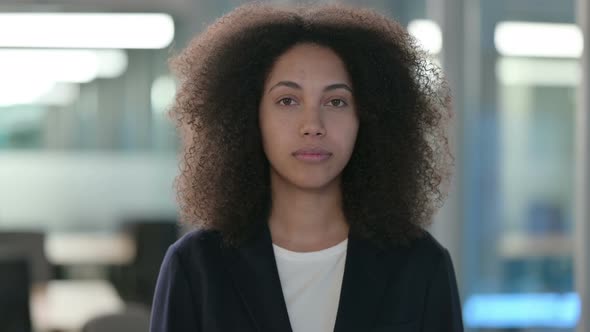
column 430, row 257
column 427, row 245
column 198, row 237
column 424, row 251
column 197, row 245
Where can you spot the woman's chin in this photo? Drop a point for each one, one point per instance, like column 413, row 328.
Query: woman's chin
column 314, row 183
column 306, row 180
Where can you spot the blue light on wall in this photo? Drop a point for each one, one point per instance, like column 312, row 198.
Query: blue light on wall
column 522, row 310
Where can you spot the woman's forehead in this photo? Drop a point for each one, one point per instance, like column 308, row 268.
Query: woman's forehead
column 309, row 63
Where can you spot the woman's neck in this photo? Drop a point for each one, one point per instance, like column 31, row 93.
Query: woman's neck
column 306, row 220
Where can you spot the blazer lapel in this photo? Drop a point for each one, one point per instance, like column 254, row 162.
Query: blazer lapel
column 254, row 271
column 366, row 273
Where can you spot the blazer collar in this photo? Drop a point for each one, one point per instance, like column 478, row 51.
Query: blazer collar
column 254, row 272
column 366, row 274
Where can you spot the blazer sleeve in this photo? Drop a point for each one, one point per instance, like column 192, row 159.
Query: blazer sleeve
column 442, row 311
column 173, row 308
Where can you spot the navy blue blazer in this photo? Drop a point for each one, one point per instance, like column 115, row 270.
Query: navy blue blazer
column 206, row 287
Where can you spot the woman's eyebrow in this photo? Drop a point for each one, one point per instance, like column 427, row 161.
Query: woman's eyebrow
column 338, row 86
column 289, row 84
column 294, row 85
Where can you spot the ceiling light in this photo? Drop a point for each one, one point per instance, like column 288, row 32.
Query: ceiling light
column 23, row 92
column 86, row 30
column 162, row 93
column 60, row 65
column 538, row 39
column 428, row 33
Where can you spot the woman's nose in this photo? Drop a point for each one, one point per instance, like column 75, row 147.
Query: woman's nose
column 312, row 124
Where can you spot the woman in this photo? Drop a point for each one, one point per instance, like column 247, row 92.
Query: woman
column 315, row 155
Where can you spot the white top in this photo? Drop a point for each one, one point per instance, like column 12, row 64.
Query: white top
column 311, row 283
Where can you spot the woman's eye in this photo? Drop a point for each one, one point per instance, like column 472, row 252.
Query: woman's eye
column 286, row 101
column 337, row 103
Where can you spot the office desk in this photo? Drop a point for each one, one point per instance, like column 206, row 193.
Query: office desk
column 65, row 305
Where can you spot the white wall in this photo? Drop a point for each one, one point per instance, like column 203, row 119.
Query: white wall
column 93, row 190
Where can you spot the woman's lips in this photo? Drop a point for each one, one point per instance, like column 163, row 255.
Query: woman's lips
column 312, row 154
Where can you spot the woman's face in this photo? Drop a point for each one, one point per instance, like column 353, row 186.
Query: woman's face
column 307, row 117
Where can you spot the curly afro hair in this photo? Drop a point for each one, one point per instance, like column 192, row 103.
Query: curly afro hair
column 401, row 164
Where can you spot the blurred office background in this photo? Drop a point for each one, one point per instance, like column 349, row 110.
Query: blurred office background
column 88, row 157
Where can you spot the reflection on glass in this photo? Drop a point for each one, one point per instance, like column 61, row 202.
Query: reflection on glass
column 528, row 284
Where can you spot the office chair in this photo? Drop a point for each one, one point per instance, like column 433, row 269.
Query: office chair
column 136, row 318
column 15, row 283
column 137, row 281
column 28, row 245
